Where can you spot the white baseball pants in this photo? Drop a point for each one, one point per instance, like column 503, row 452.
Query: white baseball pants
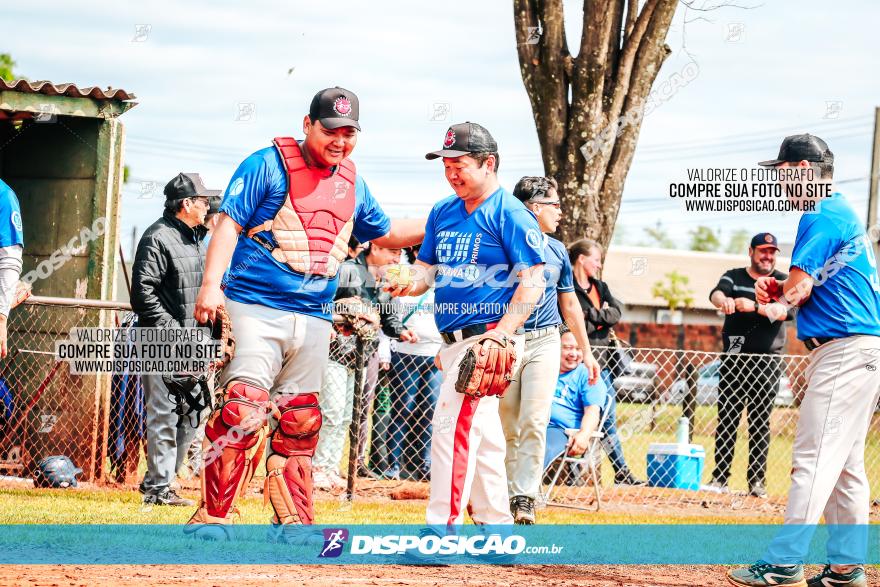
column 467, row 451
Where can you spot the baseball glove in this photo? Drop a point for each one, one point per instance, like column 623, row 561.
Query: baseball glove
column 487, row 366
column 221, row 330
column 357, row 317
column 22, row 292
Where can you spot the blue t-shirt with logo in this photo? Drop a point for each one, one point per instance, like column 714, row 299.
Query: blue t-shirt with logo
column 557, row 271
column 255, row 194
column 573, row 395
column 478, row 256
column 832, row 247
column 10, row 217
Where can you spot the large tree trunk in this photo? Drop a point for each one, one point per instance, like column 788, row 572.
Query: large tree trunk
column 576, row 99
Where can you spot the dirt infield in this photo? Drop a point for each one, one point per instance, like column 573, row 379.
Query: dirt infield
column 313, row 576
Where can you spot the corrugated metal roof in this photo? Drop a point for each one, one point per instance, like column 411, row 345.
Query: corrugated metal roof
column 68, row 89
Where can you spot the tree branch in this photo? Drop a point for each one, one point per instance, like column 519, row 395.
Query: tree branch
column 544, row 66
column 632, row 11
column 588, row 80
column 650, row 58
column 630, row 48
column 614, row 41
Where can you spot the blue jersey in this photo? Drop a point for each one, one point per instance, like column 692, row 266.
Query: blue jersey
column 10, row 218
column 478, row 256
column 255, row 194
column 573, row 395
column 557, row 271
column 832, row 247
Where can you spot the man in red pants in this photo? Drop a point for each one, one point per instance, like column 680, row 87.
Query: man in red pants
column 284, row 227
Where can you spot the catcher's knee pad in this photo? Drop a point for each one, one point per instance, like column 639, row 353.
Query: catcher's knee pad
column 289, row 467
column 235, row 437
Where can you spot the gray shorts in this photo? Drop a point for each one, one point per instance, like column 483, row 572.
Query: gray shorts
column 283, row 352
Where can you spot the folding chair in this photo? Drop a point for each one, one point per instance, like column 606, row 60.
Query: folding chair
column 588, row 459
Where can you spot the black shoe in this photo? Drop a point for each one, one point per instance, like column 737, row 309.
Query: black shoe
column 757, row 489
column 855, row 578
column 141, row 488
column 522, row 508
column 167, row 497
column 627, row 478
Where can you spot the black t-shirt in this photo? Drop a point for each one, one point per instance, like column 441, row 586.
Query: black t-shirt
column 759, row 334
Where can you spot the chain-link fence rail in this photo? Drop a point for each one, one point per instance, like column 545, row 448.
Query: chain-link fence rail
column 735, row 445
column 741, row 414
column 45, row 410
column 740, row 410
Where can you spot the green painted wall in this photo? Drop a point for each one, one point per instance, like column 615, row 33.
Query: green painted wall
column 67, row 173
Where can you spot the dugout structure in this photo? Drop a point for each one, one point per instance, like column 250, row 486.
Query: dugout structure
column 61, row 151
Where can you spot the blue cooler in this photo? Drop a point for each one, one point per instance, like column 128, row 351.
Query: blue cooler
column 675, row 465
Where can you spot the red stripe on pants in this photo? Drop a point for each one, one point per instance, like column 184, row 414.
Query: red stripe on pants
column 460, row 449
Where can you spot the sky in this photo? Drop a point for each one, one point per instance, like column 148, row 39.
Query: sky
column 218, row 80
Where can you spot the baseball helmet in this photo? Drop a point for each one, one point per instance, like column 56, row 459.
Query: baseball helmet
column 56, row 471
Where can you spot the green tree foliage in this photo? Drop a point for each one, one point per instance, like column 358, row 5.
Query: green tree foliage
column 704, row 239
column 6, row 66
column 674, row 291
column 657, row 237
column 739, row 242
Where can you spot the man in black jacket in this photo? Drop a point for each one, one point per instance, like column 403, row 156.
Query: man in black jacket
column 166, row 277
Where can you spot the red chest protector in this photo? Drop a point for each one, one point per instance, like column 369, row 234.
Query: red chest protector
column 314, row 224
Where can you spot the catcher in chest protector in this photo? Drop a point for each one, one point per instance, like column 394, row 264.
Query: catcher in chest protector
column 482, row 228
column 284, row 227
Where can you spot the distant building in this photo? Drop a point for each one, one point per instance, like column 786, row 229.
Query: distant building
column 631, row 273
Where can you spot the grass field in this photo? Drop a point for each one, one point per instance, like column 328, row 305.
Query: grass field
column 705, row 418
column 117, row 506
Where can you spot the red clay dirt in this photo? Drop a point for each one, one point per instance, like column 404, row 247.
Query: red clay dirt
column 338, row 576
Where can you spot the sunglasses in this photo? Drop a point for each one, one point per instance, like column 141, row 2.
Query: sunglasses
column 556, row 204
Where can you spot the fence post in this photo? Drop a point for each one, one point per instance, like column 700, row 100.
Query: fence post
column 354, row 430
column 689, row 404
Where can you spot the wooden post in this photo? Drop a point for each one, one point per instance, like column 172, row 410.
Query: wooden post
column 354, row 430
column 689, row 405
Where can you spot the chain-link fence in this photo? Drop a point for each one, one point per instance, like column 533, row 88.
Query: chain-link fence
column 44, row 409
column 733, row 450
column 740, row 410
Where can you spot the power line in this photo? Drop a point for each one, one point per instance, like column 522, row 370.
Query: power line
column 160, row 147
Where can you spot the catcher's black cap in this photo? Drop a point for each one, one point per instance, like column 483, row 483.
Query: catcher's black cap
column 335, row 108
column 805, row 147
column 764, row 239
column 462, row 139
column 187, row 185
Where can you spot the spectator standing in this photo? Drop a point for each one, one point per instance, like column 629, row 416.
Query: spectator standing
column 415, row 386
column 166, row 276
column 747, row 381
column 601, row 313
column 358, row 277
column 193, row 466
